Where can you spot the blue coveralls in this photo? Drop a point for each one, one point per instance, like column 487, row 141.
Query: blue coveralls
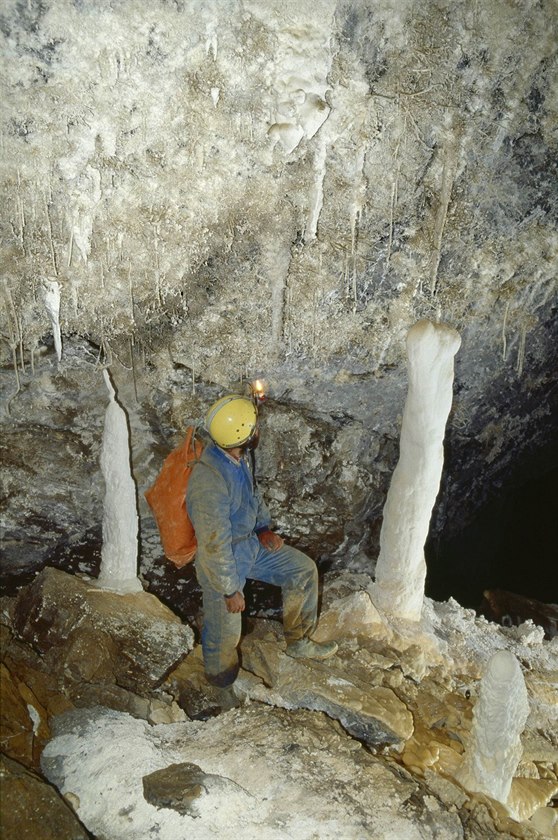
column 226, row 511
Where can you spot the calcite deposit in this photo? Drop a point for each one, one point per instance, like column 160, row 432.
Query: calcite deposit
column 119, row 554
column 494, row 749
column 401, row 568
column 89, row 635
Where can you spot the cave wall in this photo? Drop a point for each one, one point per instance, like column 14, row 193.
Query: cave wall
column 225, row 190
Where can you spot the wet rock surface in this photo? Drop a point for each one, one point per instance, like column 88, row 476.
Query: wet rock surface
column 277, row 771
column 328, row 204
column 31, row 694
column 220, row 192
column 324, row 476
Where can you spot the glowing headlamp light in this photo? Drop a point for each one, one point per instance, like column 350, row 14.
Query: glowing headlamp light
column 258, row 390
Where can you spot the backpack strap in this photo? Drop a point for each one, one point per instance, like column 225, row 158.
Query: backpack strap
column 193, row 446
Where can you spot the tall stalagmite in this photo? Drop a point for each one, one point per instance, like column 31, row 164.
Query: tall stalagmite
column 401, row 569
column 119, row 555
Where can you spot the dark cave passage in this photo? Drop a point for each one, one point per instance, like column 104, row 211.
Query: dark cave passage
column 512, row 545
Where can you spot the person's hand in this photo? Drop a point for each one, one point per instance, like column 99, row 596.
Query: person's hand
column 270, row 540
column 235, row 603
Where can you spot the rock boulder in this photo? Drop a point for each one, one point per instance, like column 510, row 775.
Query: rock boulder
column 32, row 808
column 91, row 635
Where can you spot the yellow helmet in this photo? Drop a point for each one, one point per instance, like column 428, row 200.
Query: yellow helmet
column 231, row 421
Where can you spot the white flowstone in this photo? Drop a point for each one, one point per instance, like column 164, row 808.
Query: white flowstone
column 274, row 768
column 401, row 569
column 300, row 70
column 499, row 716
column 119, row 552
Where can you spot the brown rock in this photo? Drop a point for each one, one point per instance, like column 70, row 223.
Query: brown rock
column 508, row 608
column 29, row 696
column 176, row 786
column 90, row 654
column 180, row 786
column 372, row 713
column 16, row 726
column 111, row 696
column 91, row 634
column 33, row 809
column 192, row 692
column 29, row 667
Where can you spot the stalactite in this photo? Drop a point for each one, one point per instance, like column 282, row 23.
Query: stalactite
column 317, row 195
column 14, row 339
column 392, row 206
column 504, row 342
column 131, row 291
column 21, row 358
column 51, row 238
column 157, row 265
column 133, row 367
column 356, row 208
column 51, row 297
column 354, row 237
column 21, row 213
column 70, row 248
column 18, row 382
column 278, row 261
column 521, row 350
column 448, row 175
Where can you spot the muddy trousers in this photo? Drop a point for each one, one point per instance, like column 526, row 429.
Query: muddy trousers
column 287, row 568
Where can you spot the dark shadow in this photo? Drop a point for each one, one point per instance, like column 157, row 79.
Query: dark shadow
column 512, row 545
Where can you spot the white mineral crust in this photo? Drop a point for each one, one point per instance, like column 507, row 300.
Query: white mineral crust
column 401, row 569
column 120, row 518
column 499, row 717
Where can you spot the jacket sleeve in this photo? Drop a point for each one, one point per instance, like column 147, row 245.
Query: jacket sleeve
column 263, row 516
column 208, row 505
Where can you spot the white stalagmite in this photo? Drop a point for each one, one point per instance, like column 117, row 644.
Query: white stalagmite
column 401, row 569
column 51, row 298
column 120, row 518
column 499, row 716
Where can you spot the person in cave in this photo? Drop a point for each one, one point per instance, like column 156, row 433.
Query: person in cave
column 235, row 542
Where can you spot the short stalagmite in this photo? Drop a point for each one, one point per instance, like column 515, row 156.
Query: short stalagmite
column 401, row 570
column 494, row 748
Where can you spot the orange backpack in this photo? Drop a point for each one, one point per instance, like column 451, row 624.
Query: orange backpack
column 167, row 500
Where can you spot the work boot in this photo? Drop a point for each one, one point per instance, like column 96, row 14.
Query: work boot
column 226, row 698
column 308, row 649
